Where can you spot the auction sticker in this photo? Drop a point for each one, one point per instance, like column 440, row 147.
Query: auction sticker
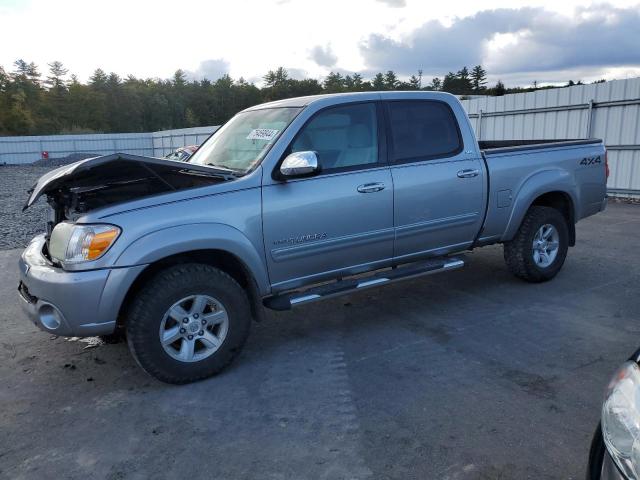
column 262, row 134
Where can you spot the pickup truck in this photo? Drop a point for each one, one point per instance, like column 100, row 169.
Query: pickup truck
column 291, row 202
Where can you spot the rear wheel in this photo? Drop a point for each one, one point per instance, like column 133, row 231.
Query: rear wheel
column 539, row 248
column 188, row 323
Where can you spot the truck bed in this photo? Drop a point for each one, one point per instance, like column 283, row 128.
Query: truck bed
column 489, row 147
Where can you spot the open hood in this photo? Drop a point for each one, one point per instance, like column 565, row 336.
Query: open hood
column 101, row 181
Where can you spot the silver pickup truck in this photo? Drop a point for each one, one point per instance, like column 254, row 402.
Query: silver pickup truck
column 291, row 202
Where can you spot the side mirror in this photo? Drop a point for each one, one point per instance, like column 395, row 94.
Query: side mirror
column 299, row 164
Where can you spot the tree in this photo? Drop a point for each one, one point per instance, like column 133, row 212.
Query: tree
column 109, row 103
column 436, row 84
column 391, row 81
column 99, row 79
column 478, row 78
column 277, row 78
column 353, row 83
column 378, row 82
column 449, row 83
column 414, row 83
column 33, row 73
column 334, row 83
column 55, row 80
column 179, row 78
column 22, row 68
column 464, row 81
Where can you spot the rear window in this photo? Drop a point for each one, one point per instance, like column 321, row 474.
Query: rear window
column 422, row 130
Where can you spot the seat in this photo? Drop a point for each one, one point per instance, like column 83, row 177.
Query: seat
column 361, row 148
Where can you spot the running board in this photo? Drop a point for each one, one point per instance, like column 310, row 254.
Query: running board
column 342, row 287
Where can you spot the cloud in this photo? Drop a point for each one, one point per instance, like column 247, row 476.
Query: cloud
column 394, row 3
column 211, row 69
column 323, row 56
column 599, row 36
column 506, row 41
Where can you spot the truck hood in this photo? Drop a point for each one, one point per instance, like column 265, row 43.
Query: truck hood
column 100, row 181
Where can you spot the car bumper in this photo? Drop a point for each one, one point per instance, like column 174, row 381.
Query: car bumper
column 82, row 304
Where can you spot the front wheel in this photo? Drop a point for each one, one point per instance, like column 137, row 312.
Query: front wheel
column 539, row 248
column 188, row 323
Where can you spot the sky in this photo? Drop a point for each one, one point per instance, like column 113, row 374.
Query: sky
column 547, row 41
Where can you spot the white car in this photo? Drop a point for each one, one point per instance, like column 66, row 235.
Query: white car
column 182, row 154
column 615, row 449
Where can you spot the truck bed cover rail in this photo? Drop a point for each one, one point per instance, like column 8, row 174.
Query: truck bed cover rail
column 490, row 147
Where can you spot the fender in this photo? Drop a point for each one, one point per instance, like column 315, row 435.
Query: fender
column 178, row 239
column 537, row 184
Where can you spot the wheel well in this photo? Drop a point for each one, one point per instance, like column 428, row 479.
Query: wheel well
column 225, row 261
column 563, row 203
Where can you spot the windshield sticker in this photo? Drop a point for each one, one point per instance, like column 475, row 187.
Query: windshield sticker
column 267, row 134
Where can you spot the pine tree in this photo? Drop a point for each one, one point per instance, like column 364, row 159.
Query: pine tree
column 357, row 81
column 33, row 73
column 464, row 85
column 436, row 84
column 55, row 80
column 334, row 83
column 378, row 82
column 391, row 81
column 414, row 83
column 98, row 79
column 179, row 78
column 478, row 78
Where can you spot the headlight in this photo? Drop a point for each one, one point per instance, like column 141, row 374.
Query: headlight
column 621, row 419
column 70, row 243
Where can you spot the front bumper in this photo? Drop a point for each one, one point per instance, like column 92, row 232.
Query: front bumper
column 83, row 303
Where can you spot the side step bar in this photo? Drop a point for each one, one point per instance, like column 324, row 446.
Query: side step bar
column 342, row 287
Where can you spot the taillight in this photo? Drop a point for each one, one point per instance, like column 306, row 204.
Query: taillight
column 606, row 163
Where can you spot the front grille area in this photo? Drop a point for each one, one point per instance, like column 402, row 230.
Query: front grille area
column 24, row 291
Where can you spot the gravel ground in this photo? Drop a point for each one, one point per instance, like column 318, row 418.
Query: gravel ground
column 18, row 227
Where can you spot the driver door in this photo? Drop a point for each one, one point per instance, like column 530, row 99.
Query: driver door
column 339, row 222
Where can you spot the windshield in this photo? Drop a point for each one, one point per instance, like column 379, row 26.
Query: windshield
column 244, row 140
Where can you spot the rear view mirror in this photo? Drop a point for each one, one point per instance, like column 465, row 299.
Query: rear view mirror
column 299, row 164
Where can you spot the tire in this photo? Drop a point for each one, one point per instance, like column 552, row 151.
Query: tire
column 520, row 254
column 149, row 317
column 117, row 336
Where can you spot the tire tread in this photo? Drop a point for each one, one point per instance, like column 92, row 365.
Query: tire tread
column 171, row 279
column 517, row 252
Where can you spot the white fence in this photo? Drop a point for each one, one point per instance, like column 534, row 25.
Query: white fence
column 28, row 149
column 609, row 110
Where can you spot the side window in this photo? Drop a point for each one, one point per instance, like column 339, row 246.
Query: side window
column 423, row 129
column 345, row 136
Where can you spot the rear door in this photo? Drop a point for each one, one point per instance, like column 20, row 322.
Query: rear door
column 439, row 185
column 341, row 220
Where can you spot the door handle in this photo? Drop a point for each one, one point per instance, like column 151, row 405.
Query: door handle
column 468, row 173
column 371, row 187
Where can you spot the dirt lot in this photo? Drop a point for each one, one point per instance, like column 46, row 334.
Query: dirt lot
column 466, row 375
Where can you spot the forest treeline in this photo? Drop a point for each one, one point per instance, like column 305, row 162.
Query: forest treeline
column 32, row 103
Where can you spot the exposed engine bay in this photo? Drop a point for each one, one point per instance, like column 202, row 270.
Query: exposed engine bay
column 101, row 181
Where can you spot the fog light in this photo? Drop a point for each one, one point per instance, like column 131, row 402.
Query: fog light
column 50, row 316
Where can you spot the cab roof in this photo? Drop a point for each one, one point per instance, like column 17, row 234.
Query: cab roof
column 356, row 96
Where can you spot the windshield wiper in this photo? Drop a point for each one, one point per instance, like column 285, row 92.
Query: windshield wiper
column 231, row 171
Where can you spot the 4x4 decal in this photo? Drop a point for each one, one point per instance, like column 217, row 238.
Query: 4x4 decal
column 590, row 160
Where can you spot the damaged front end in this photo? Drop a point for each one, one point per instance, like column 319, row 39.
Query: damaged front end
column 101, row 181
